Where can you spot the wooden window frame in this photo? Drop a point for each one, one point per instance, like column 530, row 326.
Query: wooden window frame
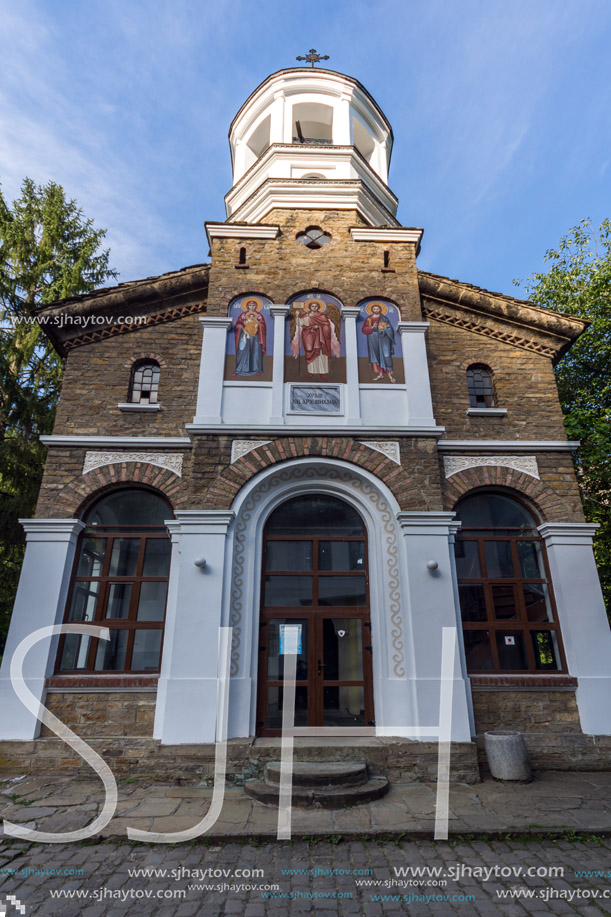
column 481, row 388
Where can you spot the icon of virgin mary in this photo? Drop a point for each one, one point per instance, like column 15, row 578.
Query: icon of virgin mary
column 250, row 339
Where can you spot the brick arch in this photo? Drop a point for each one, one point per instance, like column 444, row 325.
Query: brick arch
column 546, row 501
column 491, row 364
column 135, row 358
column 230, row 480
column 72, row 500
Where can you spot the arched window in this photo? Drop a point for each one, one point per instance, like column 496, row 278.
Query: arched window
column 144, row 385
column 506, row 603
column 120, row 580
column 481, row 386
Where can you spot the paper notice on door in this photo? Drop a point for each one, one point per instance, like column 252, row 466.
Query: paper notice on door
column 290, row 639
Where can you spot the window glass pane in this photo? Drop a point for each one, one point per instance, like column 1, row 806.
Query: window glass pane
column 478, row 653
column 288, row 590
column 274, row 707
column 275, row 661
column 494, row 511
column 76, row 650
column 344, row 706
column 341, row 555
column 91, row 561
column 124, row 557
column 119, row 595
column 84, row 601
column 289, row 555
column 499, row 561
column 341, row 590
column 545, row 646
column 342, row 649
column 530, row 558
column 504, row 601
column 512, row 654
column 147, row 649
column 467, row 559
column 472, row 603
column 314, row 514
column 151, row 603
column 157, row 557
column 538, row 602
column 130, row 507
column 111, row 653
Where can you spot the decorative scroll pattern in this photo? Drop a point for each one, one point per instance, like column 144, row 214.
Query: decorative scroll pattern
column 390, row 449
column 170, row 460
column 240, row 447
column 526, row 464
column 243, row 524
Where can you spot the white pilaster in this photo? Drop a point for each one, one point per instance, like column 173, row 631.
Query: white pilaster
column 186, row 698
column 280, row 313
column 212, row 369
column 583, row 620
column 432, row 600
column 353, row 402
column 417, row 383
column 342, row 134
column 40, row 602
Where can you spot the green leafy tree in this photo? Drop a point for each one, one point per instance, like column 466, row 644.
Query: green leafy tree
column 48, row 250
column 578, row 282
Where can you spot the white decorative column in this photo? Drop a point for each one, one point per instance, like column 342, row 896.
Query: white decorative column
column 431, row 598
column 583, row 620
column 280, row 313
column 417, row 382
column 186, row 697
column 353, row 404
column 212, row 370
column 342, row 133
column 40, row 602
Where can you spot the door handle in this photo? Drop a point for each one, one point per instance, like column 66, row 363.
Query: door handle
column 321, row 666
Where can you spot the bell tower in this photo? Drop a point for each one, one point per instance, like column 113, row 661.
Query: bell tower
column 309, row 138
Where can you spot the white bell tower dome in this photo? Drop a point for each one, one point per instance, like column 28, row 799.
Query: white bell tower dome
column 311, row 139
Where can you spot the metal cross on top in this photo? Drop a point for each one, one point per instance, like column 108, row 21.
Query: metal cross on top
column 312, row 57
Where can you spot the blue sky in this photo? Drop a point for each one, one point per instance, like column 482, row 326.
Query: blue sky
column 500, row 110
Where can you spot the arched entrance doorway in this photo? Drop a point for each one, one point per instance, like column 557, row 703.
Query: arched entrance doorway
column 315, row 582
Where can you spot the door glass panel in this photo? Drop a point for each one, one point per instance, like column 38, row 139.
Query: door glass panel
column 124, row 557
column 341, row 555
column 157, row 557
column 314, row 514
column 537, row 601
column 467, row 559
column 472, row 603
column 545, row 646
column 530, row 558
column 341, row 590
column 91, row 561
column 510, row 646
column 275, row 661
column 478, row 652
column 111, row 653
column 344, row 706
column 504, row 601
column 119, row 595
column 151, row 604
column 274, row 707
column 289, row 555
column 76, row 650
column 147, row 649
column 288, row 590
column 84, row 601
column 342, row 649
column 498, row 559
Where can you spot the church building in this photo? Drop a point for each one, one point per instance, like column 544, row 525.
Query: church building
column 312, row 441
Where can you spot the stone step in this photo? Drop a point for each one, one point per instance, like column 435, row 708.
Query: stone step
column 329, row 797
column 321, row 774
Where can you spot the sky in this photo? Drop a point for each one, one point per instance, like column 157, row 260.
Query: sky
column 500, row 111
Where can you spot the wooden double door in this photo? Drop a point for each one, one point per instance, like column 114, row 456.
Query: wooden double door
column 315, row 603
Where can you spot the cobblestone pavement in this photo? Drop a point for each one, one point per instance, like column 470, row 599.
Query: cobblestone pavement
column 467, row 881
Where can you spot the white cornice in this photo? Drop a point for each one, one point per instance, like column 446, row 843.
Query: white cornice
column 117, row 442
column 240, row 231
column 496, row 445
column 398, row 234
column 291, row 429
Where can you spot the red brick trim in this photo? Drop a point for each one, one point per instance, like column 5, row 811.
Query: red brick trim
column 523, row 681
column 231, row 479
column 102, row 681
column 78, row 493
column 478, row 360
column 462, row 321
column 548, row 504
column 145, row 356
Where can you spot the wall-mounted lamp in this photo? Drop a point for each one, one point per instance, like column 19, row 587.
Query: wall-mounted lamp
column 431, row 565
column 200, row 562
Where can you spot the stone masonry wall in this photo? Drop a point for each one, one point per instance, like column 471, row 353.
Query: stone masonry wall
column 97, row 714
column 528, row 709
